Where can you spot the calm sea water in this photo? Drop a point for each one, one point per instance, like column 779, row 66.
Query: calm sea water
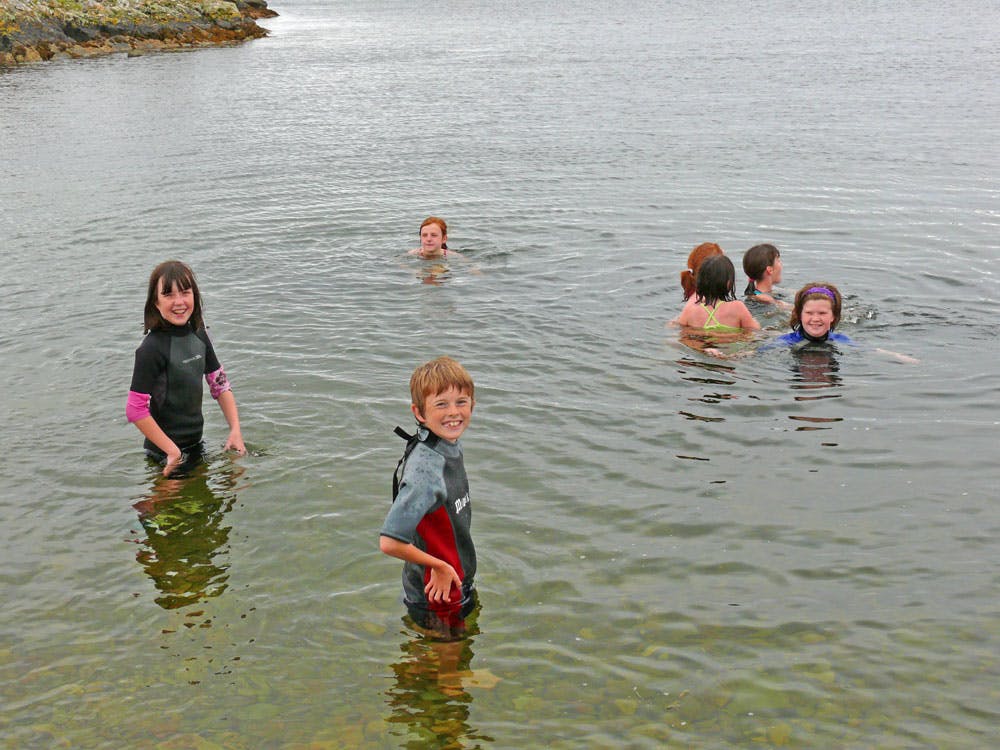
column 674, row 551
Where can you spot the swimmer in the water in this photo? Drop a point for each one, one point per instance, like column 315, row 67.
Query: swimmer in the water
column 815, row 314
column 762, row 265
column 434, row 240
column 715, row 306
column 689, row 275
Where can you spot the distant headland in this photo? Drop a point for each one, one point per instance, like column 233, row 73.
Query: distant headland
column 36, row 30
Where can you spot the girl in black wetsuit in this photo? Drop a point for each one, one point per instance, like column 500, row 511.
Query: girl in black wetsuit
column 164, row 400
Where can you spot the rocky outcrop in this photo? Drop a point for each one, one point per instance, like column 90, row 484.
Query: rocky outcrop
column 36, row 30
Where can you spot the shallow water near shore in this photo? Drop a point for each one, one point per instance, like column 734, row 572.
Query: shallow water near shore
column 674, row 551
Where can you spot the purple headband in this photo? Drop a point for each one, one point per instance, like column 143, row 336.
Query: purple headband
column 821, row 290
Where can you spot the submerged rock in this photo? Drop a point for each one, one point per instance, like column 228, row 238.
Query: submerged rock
column 35, row 30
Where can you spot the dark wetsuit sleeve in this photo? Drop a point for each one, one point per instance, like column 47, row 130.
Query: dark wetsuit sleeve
column 150, row 362
column 421, row 490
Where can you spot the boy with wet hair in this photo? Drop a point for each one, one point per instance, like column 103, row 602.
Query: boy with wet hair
column 762, row 265
column 429, row 523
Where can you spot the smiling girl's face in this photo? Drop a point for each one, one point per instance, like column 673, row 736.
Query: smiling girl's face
column 817, row 317
column 176, row 304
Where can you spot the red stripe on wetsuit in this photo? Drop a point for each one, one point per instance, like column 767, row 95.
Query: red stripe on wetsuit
column 439, row 537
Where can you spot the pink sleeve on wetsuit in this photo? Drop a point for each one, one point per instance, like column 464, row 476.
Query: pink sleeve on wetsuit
column 137, row 406
column 218, row 383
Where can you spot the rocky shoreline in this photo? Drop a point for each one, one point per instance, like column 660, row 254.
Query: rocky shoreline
column 36, row 30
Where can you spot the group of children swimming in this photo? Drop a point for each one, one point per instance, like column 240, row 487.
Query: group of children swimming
column 711, row 305
column 428, row 524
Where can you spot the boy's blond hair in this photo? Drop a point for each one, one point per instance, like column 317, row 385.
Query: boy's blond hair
column 437, row 376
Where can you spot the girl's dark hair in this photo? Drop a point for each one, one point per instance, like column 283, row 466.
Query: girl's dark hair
column 816, row 290
column 755, row 262
column 695, row 259
column 716, row 280
column 173, row 274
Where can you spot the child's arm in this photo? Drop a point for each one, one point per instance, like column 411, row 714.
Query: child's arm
column 473, row 268
column 443, row 576
column 747, row 320
column 684, row 318
column 772, row 301
column 150, row 361
column 227, row 402
column 222, row 391
column 719, row 354
column 905, row 359
column 151, row 430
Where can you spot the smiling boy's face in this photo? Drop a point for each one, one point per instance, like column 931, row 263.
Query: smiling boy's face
column 446, row 414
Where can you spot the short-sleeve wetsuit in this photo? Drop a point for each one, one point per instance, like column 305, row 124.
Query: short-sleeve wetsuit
column 169, row 366
column 433, row 513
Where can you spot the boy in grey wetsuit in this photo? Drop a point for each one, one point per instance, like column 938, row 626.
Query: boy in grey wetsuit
column 429, row 523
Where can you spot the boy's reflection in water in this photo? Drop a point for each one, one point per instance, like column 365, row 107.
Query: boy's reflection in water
column 428, row 696
column 183, row 519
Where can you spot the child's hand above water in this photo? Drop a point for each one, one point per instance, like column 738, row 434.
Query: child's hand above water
column 173, row 461
column 438, row 589
column 235, row 442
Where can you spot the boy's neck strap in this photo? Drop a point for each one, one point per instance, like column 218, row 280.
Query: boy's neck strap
column 427, row 436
